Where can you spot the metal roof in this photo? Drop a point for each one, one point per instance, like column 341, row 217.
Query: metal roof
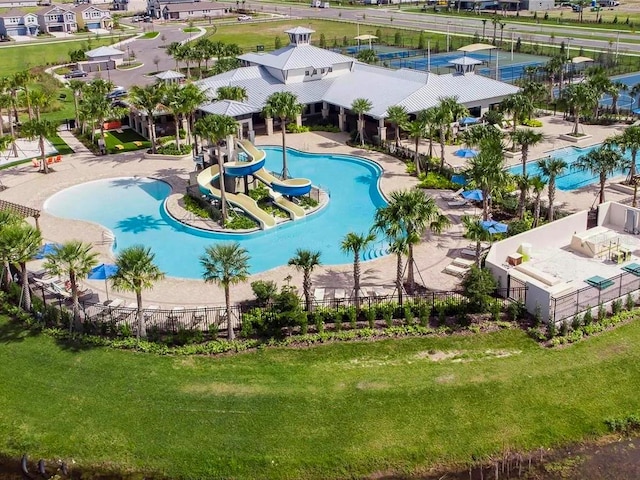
column 465, row 61
column 476, row 47
column 103, row 52
column 169, row 75
column 299, row 30
column 230, row 107
column 297, row 56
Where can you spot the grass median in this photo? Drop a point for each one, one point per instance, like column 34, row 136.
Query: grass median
column 334, row 411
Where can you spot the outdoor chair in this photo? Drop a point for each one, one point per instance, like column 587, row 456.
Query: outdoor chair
column 199, row 315
column 318, row 294
column 458, row 203
column 455, row 270
column 452, row 196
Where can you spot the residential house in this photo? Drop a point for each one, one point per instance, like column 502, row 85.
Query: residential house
column 16, row 22
column 18, row 3
column 185, row 9
column 120, row 5
column 57, row 18
column 92, row 17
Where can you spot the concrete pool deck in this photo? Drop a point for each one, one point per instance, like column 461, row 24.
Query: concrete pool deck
column 32, row 189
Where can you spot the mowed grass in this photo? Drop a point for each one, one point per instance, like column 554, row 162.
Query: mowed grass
column 24, row 57
column 127, row 139
column 334, row 411
column 248, row 35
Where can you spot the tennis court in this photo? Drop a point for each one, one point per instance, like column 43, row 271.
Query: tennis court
column 625, row 101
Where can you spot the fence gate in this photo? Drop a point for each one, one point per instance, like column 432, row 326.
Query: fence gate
column 516, row 289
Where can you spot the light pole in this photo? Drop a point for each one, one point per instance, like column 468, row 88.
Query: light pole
column 512, row 33
column 617, row 46
column 448, row 27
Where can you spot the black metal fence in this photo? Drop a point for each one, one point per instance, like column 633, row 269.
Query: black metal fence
column 580, row 301
column 211, row 321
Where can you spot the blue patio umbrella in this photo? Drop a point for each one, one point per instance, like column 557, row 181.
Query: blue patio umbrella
column 466, row 153
column 46, row 249
column 473, row 195
column 493, row 227
column 104, row 271
column 469, row 120
column 636, row 111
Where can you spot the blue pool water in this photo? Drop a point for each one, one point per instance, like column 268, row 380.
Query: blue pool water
column 132, row 208
column 572, row 179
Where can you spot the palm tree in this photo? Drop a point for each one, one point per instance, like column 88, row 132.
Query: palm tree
column 40, row 129
column 537, row 185
column 173, row 50
column 191, row 97
column 361, row 106
column 615, row 89
column 416, row 130
column 367, row 55
column 147, row 99
column 487, row 172
column 477, row 233
column 579, row 97
column 399, row 246
column 524, row 184
column 172, row 102
column 429, row 118
column 526, row 138
column 285, row 106
column 7, row 219
column 602, row 161
column 355, row 243
column 449, row 110
column 306, row 261
column 519, row 106
column 408, row 214
column 238, row 94
column 217, row 128
column 226, row 264
column 136, row 272
column 628, row 141
column 76, row 86
column 74, row 259
column 397, row 116
column 19, row 243
column 552, row 168
column 7, row 102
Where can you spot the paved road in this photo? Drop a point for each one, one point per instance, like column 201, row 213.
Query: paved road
column 460, row 25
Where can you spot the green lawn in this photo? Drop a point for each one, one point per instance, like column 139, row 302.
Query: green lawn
column 335, row 411
column 150, row 35
column 60, row 144
column 15, row 59
column 126, row 139
column 190, row 29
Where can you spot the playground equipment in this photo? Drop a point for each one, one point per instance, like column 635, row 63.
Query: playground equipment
column 254, row 166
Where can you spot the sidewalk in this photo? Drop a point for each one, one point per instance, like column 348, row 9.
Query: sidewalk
column 76, row 145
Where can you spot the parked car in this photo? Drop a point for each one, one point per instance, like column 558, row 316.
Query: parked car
column 136, row 18
column 148, row 20
column 244, row 18
column 76, row 74
column 117, row 92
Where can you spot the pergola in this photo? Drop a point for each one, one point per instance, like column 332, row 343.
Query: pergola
column 476, row 47
column 21, row 210
column 365, row 38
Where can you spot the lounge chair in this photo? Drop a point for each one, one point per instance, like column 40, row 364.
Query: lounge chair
column 468, row 252
column 379, row 292
column 58, row 159
column 453, row 195
column 199, row 315
column 458, row 203
column 114, row 303
column 149, row 312
column 463, row 262
column 455, row 270
column 339, row 294
column 318, row 294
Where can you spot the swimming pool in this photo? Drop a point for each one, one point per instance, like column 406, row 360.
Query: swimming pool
column 572, row 179
column 132, row 208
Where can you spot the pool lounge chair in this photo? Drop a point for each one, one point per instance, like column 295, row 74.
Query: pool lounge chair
column 339, row 294
column 318, row 294
column 114, row 303
column 458, row 203
column 199, row 314
column 455, row 270
column 453, row 195
column 463, row 262
column 149, row 312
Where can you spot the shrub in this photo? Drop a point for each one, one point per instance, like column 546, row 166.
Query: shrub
column 537, row 316
column 532, row 122
column 408, row 315
column 552, row 330
column 387, row 314
column 564, row 328
column 616, row 306
column 264, row 290
column 496, row 310
column 423, row 315
column 435, row 180
column 294, row 128
column 587, row 319
column 370, row 315
column 307, row 202
column 602, row 312
column 259, row 193
column 172, row 149
column 629, row 303
column 624, row 425
column 352, row 316
column 240, row 222
column 478, row 285
column 195, row 206
column 576, row 323
column 318, row 321
column 324, row 128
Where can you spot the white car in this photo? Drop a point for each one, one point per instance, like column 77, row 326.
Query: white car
column 244, row 18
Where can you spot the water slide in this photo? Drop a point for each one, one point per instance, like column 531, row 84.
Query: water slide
column 248, row 204
column 277, row 187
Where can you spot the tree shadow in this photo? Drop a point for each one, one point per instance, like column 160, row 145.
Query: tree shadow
column 140, row 223
column 12, row 331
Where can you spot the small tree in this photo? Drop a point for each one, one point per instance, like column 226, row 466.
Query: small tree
column 277, row 43
column 478, row 285
column 361, row 106
column 355, row 244
column 306, row 261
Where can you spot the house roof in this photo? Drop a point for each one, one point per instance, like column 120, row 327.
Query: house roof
column 169, row 75
column 193, row 6
column 299, row 30
column 86, row 6
column 14, row 12
column 465, row 61
column 103, row 52
column 230, row 107
column 45, row 10
column 297, row 56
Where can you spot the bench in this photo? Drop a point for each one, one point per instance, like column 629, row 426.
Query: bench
column 537, row 274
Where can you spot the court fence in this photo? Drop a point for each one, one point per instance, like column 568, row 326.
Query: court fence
column 180, row 324
column 578, row 302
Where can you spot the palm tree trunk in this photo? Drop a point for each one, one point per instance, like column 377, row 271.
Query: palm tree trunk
column 410, row 278
column 14, row 147
column 485, row 206
column 399, row 271
column 430, row 145
column 603, row 180
column 356, row 277
column 74, row 300
column 632, row 168
column 361, row 129
column 227, row 301
column 75, row 106
column 306, row 287
column 25, row 286
column 442, row 141
column 576, row 121
column 552, row 196
column 141, row 332
column 536, row 211
column 283, row 128
column 397, row 136
column 45, row 166
column 417, row 157
column 478, row 252
column 152, row 130
column 176, row 119
column 522, row 203
column 223, row 196
column 1, row 124
column 634, row 203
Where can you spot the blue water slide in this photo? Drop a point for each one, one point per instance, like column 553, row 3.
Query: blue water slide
column 294, row 187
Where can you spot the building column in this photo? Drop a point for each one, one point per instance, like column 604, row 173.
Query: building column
column 299, row 120
column 382, row 130
column 269, row 124
column 342, row 120
column 325, row 110
column 251, row 132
